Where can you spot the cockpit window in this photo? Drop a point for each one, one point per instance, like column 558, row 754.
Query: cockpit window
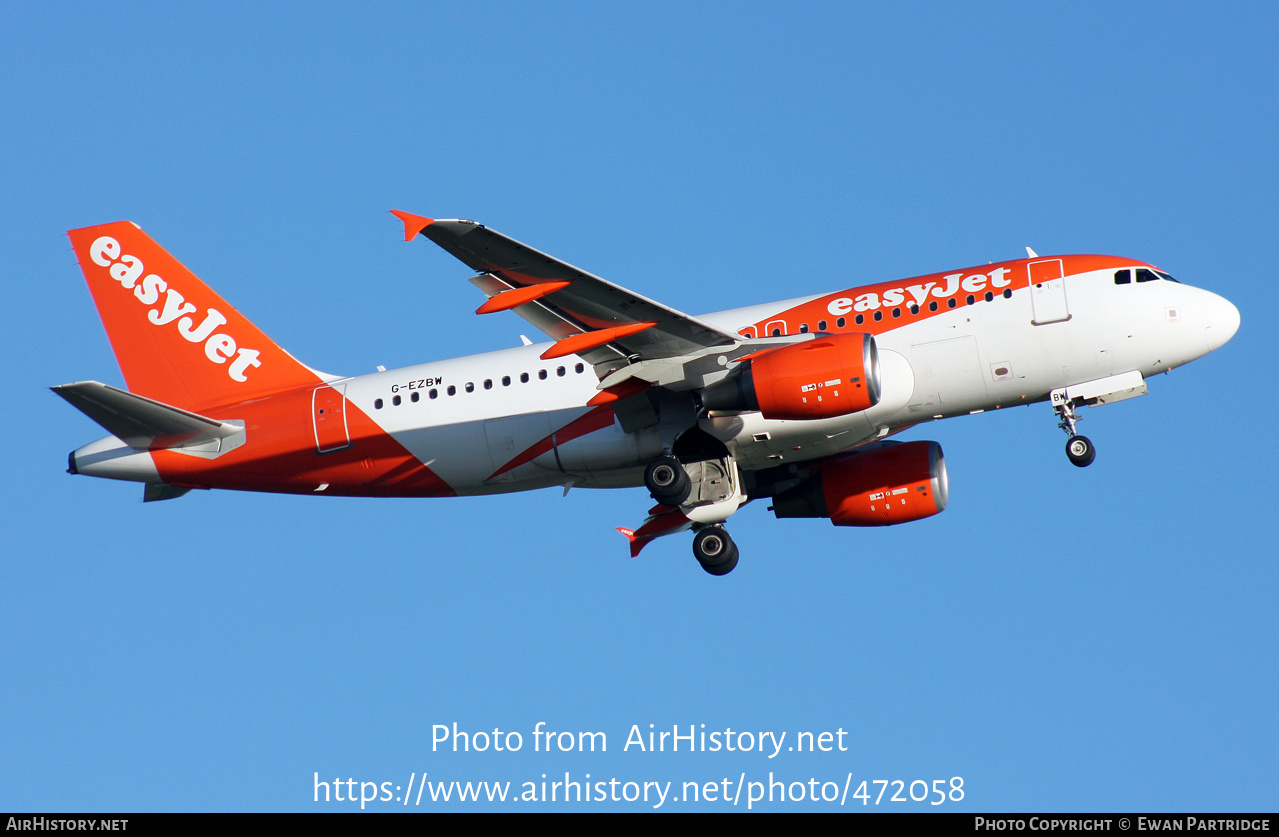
column 1144, row 274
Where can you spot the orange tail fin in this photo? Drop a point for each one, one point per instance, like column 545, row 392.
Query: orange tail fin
column 175, row 339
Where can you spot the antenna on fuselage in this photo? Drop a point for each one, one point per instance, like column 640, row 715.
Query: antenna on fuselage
column 1031, row 253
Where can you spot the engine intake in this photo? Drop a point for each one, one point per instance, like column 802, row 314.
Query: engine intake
column 830, row 376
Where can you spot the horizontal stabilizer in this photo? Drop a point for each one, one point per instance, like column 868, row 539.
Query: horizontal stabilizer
column 143, row 423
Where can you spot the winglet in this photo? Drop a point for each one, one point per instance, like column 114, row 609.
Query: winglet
column 413, row 224
column 630, row 536
column 662, row 520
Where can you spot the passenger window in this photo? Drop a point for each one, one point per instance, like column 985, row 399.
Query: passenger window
column 523, row 377
column 415, row 397
column 470, row 387
column 932, row 306
column 840, row 322
column 396, row 400
column 821, row 326
column 879, row 315
column 579, row 369
column 541, row 374
column 803, row 328
column 452, row 390
column 989, row 296
column 434, row 394
column 377, row 405
column 859, row 319
column 506, row 380
column 560, row 371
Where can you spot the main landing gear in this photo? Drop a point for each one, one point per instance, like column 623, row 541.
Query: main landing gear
column 668, row 482
column 1079, row 449
column 715, row 550
column 706, row 491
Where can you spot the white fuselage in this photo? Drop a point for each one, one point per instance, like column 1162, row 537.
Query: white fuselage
column 974, row 357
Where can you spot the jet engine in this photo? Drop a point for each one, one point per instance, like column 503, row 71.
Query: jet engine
column 830, row 376
column 891, row 482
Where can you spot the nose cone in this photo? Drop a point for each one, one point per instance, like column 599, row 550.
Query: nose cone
column 1221, row 321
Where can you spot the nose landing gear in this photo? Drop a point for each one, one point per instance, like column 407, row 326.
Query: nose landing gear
column 1079, row 449
column 1106, row 390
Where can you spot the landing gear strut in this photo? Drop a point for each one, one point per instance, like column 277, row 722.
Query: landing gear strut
column 1079, row 449
column 715, row 550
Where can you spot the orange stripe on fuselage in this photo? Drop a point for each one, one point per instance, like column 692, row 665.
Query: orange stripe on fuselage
column 279, row 455
column 597, row 419
column 886, row 297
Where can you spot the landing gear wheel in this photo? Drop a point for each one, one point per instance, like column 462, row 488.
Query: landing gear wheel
column 1080, row 450
column 668, row 482
column 715, row 550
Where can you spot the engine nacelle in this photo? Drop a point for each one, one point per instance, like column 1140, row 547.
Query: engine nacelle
column 830, row 376
column 893, row 482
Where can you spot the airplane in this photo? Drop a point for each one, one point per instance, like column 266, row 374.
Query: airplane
column 793, row 401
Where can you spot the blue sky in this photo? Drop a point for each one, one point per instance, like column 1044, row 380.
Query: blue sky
column 1098, row 639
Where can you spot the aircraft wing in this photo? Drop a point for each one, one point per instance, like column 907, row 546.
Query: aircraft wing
column 584, row 314
column 661, row 521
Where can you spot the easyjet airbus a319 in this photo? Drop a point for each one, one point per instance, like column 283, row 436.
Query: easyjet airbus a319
column 793, row 401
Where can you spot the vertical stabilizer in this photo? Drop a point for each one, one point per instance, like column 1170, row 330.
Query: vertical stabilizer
column 176, row 340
